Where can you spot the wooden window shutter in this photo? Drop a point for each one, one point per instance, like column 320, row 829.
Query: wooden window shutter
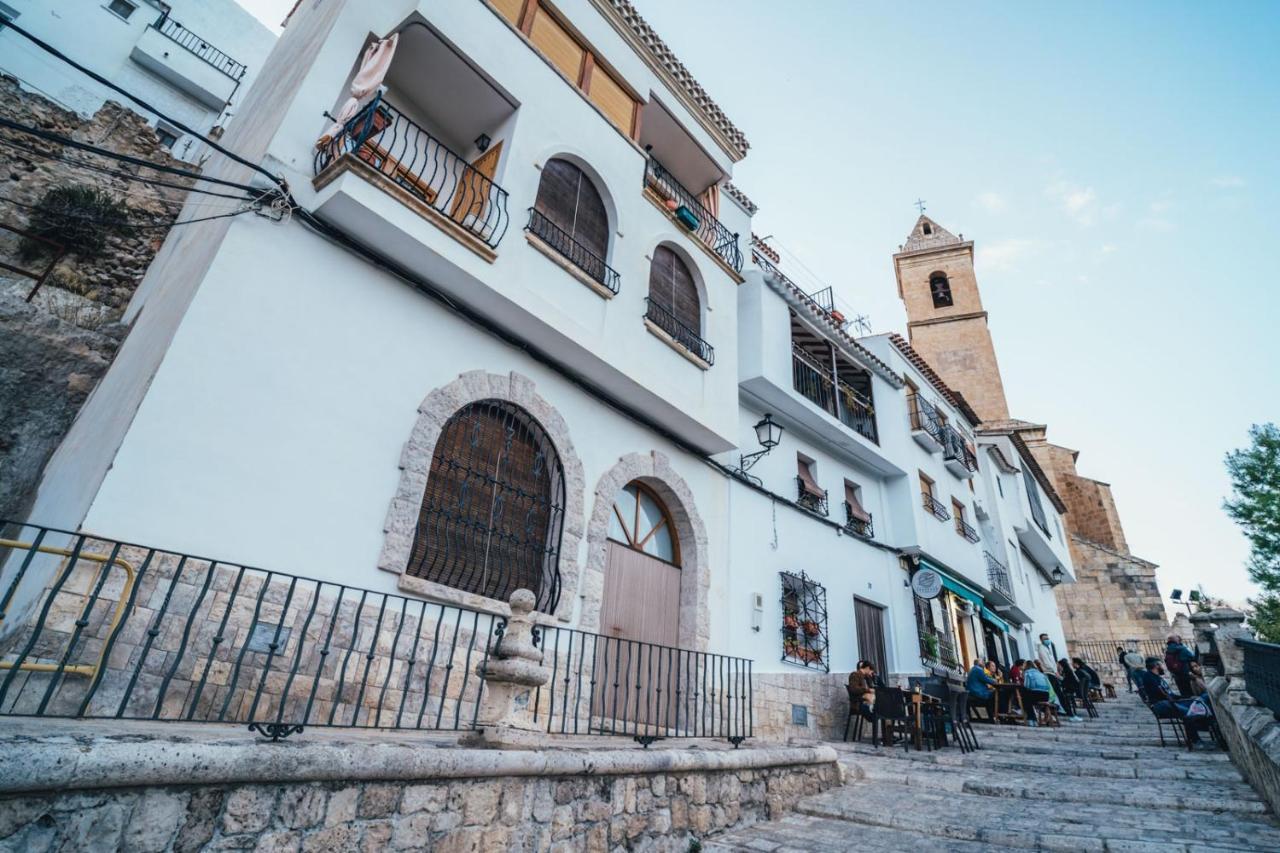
column 557, row 45
column 607, row 94
column 570, row 200
column 855, row 506
column 509, row 9
column 671, row 285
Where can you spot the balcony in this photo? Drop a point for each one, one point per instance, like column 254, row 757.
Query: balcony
column 664, row 324
column 934, row 506
column 813, row 380
column 965, row 529
column 401, row 157
column 956, row 454
column 926, row 426
column 577, row 255
column 687, row 211
column 998, row 578
column 188, row 62
column 813, row 501
column 856, row 525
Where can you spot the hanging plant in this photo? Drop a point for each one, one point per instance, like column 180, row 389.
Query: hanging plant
column 790, row 622
column 810, row 628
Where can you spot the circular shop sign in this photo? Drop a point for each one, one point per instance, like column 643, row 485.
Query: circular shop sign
column 926, row 583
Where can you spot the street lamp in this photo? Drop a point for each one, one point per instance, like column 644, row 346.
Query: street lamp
column 769, row 434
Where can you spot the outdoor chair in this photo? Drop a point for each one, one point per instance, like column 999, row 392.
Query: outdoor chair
column 855, row 721
column 1047, row 715
column 893, row 713
column 1086, row 700
column 1174, row 722
column 988, row 707
column 961, row 729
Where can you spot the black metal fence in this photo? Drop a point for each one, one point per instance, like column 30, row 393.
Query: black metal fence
column 935, row 506
column 97, row 628
column 924, row 416
column 967, row 530
column 954, row 447
column 610, row 686
column 381, row 136
column 199, row 47
column 703, row 223
column 1106, row 651
column 572, row 251
column 1262, row 672
column 856, row 411
column 998, row 576
column 658, row 314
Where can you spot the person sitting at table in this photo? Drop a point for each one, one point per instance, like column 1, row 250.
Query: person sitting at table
column 1015, row 671
column 862, row 690
column 1037, row 684
column 981, row 689
column 993, row 669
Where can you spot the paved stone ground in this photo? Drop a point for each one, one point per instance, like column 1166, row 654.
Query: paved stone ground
column 1102, row 785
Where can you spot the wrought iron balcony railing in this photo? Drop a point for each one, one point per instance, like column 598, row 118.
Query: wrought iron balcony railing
column 658, row 314
column 933, row 505
column 966, row 530
column 856, row 411
column 998, row 576
column 858, row 526
column 924, row 417
column 955, row 447
column 572, row 251
column 200, row 48
column 410, row 157
column 699, row 220
column 812, row 380
column 810, row 501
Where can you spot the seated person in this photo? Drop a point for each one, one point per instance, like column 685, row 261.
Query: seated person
column 981, row 689
column 1015, row 671
column 1089, row 678
column 1037, row 684
column 862, row 693
column 1156, row 692
column 1195, row 676
column 1070, row 689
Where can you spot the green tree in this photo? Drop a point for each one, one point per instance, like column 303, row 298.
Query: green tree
column 1255, row 505
column 80, row 218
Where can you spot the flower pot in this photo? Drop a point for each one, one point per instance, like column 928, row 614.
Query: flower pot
column 810, row 628
column 790, row 622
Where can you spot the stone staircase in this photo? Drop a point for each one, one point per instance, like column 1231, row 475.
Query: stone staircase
column 1104, row 784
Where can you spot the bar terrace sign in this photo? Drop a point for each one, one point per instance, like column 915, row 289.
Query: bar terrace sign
column 926, row 583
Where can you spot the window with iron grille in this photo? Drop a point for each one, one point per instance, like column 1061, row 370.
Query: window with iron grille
column 672, row 287
column 570, row 201
column 493, row 508
column 804, row 621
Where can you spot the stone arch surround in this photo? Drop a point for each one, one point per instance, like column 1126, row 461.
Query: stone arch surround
column 415, row 463
column 654, row 470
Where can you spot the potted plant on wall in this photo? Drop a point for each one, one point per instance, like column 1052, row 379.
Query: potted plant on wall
column 929, row 645
column 790, row 622
column 810, row 628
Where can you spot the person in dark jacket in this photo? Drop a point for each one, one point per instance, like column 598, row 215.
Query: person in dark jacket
column 1176, row 659
column 862, row 690
column 1089, row 678
column 1070, row 689
column 1156, row 691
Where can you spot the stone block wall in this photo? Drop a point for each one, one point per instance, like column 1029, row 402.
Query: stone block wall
column 823, row 695
column 586, row 811
column 1252, row 734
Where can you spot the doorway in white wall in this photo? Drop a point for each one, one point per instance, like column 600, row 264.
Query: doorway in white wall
column 869, row 621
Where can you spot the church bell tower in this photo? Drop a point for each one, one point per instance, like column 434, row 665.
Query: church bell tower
column 945, row 320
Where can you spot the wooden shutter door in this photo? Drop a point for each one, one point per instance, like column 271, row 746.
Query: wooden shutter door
column 472, row 193
column 869, row 621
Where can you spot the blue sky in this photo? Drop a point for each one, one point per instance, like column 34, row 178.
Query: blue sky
column 1115, row 165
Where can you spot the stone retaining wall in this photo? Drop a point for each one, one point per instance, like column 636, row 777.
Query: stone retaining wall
column 1252, row 735
column 379, row 796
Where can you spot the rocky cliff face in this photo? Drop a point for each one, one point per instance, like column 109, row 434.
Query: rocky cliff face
column 54, row 349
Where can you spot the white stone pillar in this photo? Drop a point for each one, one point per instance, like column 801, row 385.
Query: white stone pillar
column 512, row 674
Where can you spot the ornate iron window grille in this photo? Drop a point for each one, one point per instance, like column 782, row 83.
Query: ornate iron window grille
column 493, row 510
column 804, row 621
column 658, row 314
column 198, row 47
column 933, row 505
column 572, row 251
column 998, row 576
column 407, row 155
column 810, row 501
column 857, row 526
column 955, row 447
column 924, row 416
column 707, row 228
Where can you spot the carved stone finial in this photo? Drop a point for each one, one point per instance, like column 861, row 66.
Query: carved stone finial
column 512, row 672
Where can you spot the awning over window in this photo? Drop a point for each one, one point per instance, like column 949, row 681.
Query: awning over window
column 855, row 506
column 994, row 619
column 968, row 593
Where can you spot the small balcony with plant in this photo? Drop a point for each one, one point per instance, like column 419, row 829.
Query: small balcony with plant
column 839, row 388
column 421, row 124
column 858, row 522
column 692, row 213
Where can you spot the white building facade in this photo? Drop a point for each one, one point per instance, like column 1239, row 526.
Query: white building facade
column 191, row 59
column 544, row 371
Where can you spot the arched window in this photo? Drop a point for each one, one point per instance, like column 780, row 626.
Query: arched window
column 672, row 288
column 570, row 202
column 940, row 289
column 493, row 508
column 641, row 522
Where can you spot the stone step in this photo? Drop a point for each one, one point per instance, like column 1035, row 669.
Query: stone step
column 804, row 834
column 1067, row 752
column 1046, row 784
column 1037, row 825
column 1097, row 767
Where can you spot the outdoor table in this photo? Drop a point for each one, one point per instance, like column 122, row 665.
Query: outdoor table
column 1009, row 697
column 918, row 701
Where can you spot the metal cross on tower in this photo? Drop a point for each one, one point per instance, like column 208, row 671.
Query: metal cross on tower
column 920, row 204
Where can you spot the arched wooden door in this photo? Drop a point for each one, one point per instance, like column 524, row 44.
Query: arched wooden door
column 638, row 667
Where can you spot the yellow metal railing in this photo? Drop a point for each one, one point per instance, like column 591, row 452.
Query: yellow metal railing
column 131, row 577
